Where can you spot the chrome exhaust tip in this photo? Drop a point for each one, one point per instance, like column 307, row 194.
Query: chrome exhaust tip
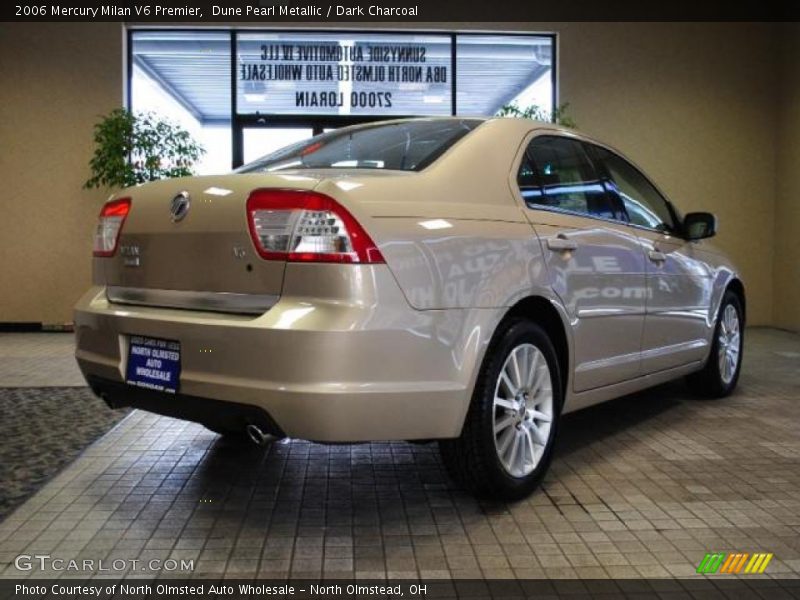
column 258, row 437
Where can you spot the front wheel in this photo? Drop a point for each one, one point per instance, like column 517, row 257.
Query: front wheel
column 507, row 441
column 720, row 374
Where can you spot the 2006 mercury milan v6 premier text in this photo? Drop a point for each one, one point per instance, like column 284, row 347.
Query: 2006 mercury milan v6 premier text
column 461, row 280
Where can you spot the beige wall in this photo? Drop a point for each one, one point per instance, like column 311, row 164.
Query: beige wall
column 54, row 82
column 787, row 214
column 694, row 104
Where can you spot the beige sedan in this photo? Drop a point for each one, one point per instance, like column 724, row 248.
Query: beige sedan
column 461, row 280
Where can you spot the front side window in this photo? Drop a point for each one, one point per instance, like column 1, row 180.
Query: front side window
column 643, row 203
column 399, row 146
column 564, row 177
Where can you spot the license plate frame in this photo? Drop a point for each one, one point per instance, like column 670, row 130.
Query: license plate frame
column 153, row 364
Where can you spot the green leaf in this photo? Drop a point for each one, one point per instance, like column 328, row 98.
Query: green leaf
column 537, row 113
column 135, row 148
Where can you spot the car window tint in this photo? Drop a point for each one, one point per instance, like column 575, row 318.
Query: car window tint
column 644, row 205
column 527, row 181
column 567, row 180
column 408, row 145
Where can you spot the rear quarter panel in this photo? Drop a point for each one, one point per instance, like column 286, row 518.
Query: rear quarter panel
column 453, row 235
column 455, row 239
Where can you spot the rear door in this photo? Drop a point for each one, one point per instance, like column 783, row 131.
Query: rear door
column 678, row 284
column 595, row 263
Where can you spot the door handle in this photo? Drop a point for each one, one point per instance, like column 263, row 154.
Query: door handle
column 560, row 243
column 656, row 256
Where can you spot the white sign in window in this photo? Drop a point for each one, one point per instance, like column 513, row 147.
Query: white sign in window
column 338, row 74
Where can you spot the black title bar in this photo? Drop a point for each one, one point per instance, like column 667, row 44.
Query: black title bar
column 344, row 589
column 400, row 11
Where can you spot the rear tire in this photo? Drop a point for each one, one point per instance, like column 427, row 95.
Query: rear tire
column 719, row 376
column 506, row 444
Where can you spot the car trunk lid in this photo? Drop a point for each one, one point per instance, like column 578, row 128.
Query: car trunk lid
column 202, row 258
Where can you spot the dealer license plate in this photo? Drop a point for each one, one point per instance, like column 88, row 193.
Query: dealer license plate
column 153, row 364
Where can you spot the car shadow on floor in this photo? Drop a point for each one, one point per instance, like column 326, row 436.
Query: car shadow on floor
column 333, row 482
column 591, row 425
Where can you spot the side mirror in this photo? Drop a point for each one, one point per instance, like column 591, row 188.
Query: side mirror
column 699, row 225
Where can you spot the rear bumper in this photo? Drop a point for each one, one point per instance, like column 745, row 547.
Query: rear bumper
column 318, row 370
column 224, row 416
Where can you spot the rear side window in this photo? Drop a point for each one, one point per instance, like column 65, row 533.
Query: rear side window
column 528, row 182
column 401, row 146
column 643, row 203
column 557, row 173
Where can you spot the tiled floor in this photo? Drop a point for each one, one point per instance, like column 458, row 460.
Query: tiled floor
column 38, row 360
column 640, row 487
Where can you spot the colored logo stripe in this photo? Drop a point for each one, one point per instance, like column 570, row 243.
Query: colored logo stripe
column 759, row 562
column 711, row 563
column 734, row 562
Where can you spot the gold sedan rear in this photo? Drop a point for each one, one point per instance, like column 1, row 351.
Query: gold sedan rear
column 433, row 279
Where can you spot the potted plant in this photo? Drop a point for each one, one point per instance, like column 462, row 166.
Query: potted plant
column 537, row 113
column 133, row 148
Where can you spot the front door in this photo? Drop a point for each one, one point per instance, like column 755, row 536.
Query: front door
column 676, row 330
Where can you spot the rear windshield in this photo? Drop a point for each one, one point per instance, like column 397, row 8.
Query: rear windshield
column 398, row 146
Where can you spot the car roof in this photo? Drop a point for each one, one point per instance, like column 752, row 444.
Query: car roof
column 521, row 125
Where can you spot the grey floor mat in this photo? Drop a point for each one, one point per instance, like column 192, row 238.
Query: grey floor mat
column 42, row 430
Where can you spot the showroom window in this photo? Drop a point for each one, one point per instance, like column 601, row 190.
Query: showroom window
column 186, row 76
column 244, row 94
column 495, row 70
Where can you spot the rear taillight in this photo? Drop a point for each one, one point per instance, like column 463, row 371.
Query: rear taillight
column 301, row 226
column 109, row 226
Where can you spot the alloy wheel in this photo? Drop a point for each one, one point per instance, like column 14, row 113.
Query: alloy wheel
column 728, row 343
column 523, row 410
